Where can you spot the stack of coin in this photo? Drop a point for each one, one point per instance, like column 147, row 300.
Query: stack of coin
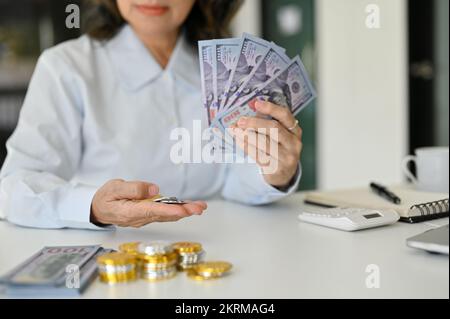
column 209, row 270
column 117, row 268
column 189, row 254
column 157, row 261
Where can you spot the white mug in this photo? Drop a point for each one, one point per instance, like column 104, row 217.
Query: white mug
column 432, row 169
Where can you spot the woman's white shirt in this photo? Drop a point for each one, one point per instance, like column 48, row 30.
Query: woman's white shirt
column 96, row 111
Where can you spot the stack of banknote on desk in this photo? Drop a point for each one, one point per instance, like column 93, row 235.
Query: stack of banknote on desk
column 236, row 72
column 54, row 272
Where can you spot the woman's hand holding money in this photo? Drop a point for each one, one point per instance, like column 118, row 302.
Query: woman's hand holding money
column 279, row 164
column 124, row 204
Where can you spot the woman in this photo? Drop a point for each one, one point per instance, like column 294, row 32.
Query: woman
column 102, row 107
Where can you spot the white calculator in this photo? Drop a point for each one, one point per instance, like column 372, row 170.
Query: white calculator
column 349, row 219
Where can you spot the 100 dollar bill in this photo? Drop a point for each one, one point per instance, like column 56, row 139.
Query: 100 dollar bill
column 292, row 89
column 48, row 266
column 273, row 63
column 226, row 54
column 206, row 54
column 251, row 53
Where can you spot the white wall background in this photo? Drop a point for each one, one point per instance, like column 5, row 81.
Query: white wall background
column 248, row 18
column 362, row 85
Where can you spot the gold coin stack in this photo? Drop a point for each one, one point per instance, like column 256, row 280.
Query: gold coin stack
column 189, row 254
column 209, row 270
column 117, row 268
column 157, row 261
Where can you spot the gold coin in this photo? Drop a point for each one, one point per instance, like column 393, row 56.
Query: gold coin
column 116, row 259
column 129, row 248
column 157, row 259
column 117, row 277
column 116, row 268
column 187, row 247
column 209, row 270
column 191, row 273
column 213, row 267
column 159, row 275
column 157, row 266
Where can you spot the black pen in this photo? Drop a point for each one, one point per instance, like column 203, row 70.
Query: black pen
column 385, row 193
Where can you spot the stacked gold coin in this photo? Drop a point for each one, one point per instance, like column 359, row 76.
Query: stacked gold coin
column 209, row 270
column 157, row 261
column 189, row 254
column 117, row 268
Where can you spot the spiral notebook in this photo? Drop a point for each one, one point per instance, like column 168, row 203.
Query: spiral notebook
column 416, row 206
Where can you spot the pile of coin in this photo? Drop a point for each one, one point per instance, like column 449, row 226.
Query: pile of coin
column 157, row 261
column 117, row 268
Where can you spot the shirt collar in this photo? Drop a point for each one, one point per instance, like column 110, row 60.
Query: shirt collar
column 136, row 66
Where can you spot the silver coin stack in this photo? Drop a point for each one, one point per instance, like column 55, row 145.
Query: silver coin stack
column 189, row 254
column 157, row 261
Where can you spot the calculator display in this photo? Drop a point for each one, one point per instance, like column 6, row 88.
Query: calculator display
column 372, row 216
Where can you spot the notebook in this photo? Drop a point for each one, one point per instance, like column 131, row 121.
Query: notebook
column 416, row 206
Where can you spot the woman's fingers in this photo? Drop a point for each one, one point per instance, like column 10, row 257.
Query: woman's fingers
column 159, row 209
column 257, row 154
column 133, row 190
column 156, row 212
column 289, row 142
column 195, row 208
column 262, row 142
column 281, row 114
column 264, row 126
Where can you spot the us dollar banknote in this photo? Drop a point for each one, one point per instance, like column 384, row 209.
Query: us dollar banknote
column 245, row 70
column 48, row 266
column 251, row 53
column 54, row 272
column 206, row 55
column 291, row 89
column 273, row 63
column 226, row 53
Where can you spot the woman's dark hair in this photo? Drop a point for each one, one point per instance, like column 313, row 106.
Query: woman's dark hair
column 209, row 19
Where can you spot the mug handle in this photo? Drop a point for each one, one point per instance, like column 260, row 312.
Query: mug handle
column 407, row 171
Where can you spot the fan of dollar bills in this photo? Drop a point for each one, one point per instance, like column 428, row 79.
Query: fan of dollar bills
column 238, row 71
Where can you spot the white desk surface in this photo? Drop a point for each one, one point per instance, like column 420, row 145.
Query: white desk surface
column 274, row 256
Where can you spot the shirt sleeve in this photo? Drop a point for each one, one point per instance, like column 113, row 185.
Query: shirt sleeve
column 246, row 184
column 44, row 153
